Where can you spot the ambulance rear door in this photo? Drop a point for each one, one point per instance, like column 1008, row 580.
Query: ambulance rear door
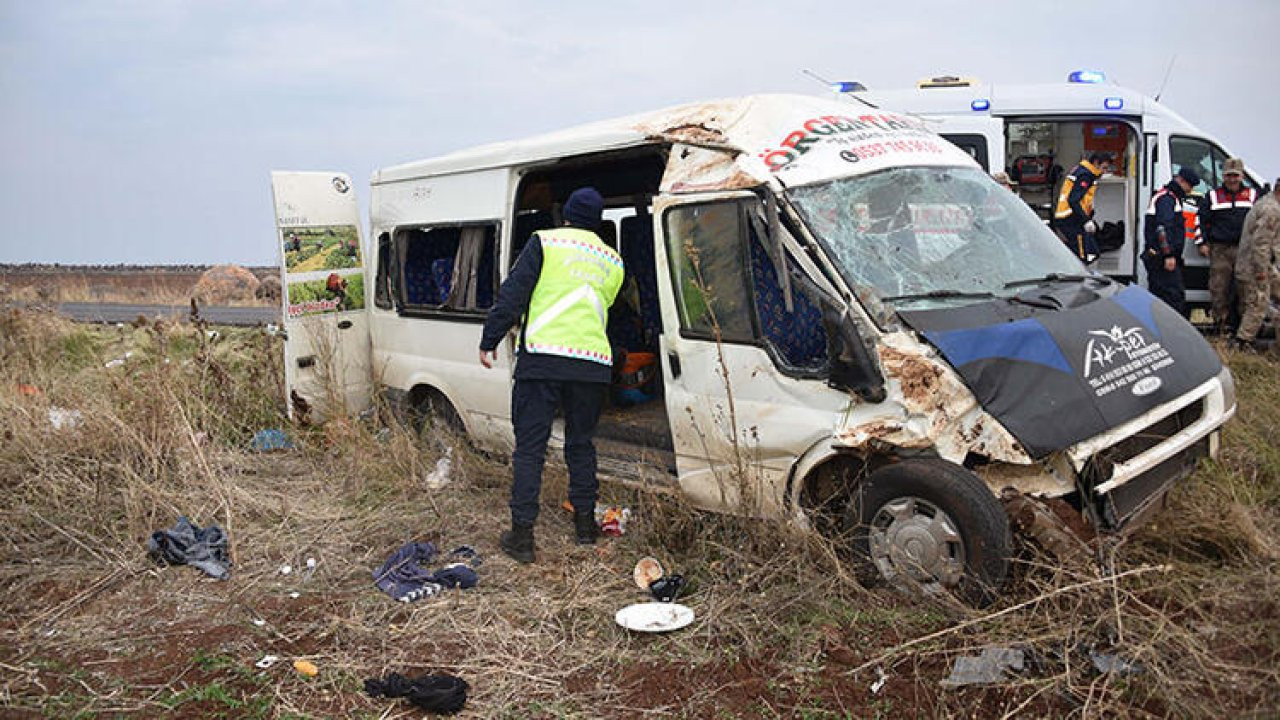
column 327, row 351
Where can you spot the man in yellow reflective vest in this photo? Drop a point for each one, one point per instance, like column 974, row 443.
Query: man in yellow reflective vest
column 1073, row 214
column 562, row 286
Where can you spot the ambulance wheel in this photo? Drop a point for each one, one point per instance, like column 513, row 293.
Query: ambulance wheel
column 931, row 526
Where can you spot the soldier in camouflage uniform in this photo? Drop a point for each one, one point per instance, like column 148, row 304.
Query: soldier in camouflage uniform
column 1256, row 265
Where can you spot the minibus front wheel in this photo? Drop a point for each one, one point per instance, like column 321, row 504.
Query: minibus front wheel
column 931, row 525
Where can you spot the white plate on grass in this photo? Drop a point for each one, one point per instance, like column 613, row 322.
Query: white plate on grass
column 654, row 616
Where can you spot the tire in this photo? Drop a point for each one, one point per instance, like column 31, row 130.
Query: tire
column 931, row 525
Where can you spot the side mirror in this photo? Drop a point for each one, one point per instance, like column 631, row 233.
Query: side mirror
column 852, row 366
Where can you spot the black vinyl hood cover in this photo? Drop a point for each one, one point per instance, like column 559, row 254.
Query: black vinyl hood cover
column 1071, row 361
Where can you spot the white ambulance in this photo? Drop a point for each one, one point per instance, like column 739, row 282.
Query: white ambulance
column 1037, row 133
column 849, row 325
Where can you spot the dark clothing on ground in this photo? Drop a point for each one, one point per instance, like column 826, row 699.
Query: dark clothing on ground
column 510, row 308
column 445, row 694
column 405, row 575
column 533, row 407
column 187, row 544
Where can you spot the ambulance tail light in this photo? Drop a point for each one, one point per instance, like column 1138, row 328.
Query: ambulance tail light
column 1088, row 77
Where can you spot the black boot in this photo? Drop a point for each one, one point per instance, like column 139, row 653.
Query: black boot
column 585, row 528
column 518, row 543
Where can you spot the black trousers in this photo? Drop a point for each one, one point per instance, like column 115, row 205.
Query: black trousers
column 1167, row 284
column 1081, row 243
column 533, row 407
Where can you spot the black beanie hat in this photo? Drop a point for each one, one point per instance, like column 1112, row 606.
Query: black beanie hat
column 583, row 208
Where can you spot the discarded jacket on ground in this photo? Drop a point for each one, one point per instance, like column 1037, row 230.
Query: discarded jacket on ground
column 187, row 544
column 436, row 693
column 406, row 576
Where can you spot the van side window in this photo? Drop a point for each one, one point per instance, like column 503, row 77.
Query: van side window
column 448, row 268
column 1197, row 155
column 797, row 337
column 975, row 145
column 706, row 244
column 382, row 290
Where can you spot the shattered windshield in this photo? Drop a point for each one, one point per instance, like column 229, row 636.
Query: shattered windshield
column 930, row 237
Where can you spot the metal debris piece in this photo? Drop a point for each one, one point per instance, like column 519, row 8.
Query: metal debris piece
column 989, row 668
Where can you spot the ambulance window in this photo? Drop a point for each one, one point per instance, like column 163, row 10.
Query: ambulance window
column 449, row 269
column 1197, row 155
column 975, row 145
column 382, row 291
column 706, row 244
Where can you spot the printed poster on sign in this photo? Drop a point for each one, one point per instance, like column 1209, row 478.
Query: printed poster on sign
column 326, row 247
column 333, row 293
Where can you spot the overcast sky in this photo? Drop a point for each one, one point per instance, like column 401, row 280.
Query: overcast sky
column 144, row 131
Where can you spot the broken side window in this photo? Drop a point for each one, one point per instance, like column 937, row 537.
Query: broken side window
column 448, row 269
column 382, row 290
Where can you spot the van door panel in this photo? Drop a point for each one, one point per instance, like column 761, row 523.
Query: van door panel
column 322, row 261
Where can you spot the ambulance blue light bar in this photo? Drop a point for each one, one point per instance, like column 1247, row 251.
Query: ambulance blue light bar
column 845, row 87
column 980, row 104
column 1088, row 77
column 1113, row 103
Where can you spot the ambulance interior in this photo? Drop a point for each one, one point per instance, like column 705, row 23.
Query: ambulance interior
column 1039, row 154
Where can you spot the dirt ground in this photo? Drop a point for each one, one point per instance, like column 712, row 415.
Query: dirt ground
column 92, row 627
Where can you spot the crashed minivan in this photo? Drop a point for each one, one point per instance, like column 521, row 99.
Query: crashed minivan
column 848, row 325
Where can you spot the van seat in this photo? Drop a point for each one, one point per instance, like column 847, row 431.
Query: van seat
column 798, row 336
column 441, row 279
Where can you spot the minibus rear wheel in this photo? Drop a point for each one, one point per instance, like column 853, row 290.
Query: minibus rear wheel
column 932, row 525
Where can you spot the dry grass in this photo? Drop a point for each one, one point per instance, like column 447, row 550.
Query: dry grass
column 91, row 627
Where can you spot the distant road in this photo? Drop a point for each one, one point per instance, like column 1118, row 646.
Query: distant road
column 122, row 312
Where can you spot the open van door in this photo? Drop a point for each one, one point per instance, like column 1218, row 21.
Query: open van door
column 322, row 279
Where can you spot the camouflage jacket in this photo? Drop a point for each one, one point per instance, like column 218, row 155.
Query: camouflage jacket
column 1260, row 239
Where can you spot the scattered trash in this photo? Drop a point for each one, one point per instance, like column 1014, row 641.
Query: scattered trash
column 272, row 329
column 667, row 588
column 212, row 334
column 286, row 569
column 878, row 685
column 613, row 520
column 266, row 661
column 119, row 361
column 986, row 669
column 1107, row 663
column 271, row 439
column 444, row 468
column 383, row 435
column 64, row 419
column 295, row 595
column 311, row 563
column 654, row 616
column 259, row 622
column 28, row 390
column 405, row 577
column 647, row 570
column 445, row 694
column 187, row 544
column 306, row 668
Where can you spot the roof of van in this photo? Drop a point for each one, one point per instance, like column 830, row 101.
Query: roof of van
column 768, row 135
column 1064, row 98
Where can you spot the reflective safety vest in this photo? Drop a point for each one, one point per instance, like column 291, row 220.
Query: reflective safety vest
column 568, row 311
column 1079, row 186
column 1191, row 219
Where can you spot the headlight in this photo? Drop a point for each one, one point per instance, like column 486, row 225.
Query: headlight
column 1228, row 389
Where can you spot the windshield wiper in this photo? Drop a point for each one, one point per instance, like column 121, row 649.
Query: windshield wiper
column 1057, row 277
column 938, row 294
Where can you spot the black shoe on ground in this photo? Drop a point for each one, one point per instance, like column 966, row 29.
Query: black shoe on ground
column 585, row 528
column 518, row 543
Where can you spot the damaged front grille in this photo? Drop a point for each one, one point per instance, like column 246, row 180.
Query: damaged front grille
column 1099, row 468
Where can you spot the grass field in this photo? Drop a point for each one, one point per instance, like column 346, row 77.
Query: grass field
column 90, row 627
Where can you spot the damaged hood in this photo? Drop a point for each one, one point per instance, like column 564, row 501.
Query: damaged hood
column 1067, row 361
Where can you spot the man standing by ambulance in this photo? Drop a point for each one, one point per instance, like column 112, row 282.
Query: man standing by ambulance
column 562, row 286
column 1073, row 215
column 1164, row 235
column 1223, row 221
column 1256, row 266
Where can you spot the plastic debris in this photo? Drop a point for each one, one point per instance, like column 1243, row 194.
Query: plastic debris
column 119, row 361
column 613, row 519
column 295, row 594
column 878, row 685
column 271, row 439
column 64, row 419
column 647, row 570
column 259, row 622
column 27, row 390
column 306, row 668
column 654, row 616
column 266, row 661
column 989, row 668
column 286, row 569
column 1107, row 663
column 444, row 468
column 667, row 588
